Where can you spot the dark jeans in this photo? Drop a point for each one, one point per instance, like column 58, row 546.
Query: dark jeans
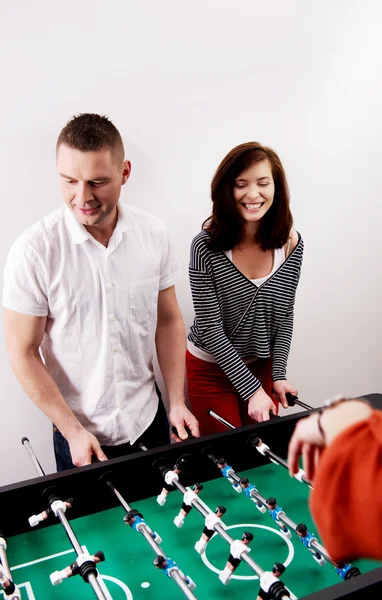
column 157, row 434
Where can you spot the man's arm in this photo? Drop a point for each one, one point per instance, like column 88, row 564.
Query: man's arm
column 170, row 342
column 24, row 334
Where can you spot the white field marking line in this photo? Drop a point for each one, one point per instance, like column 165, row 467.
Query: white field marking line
column 38, row 560
column 243, row 525
column 121, row 584
column 29, row 589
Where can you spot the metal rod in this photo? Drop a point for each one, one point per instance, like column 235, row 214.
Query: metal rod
column 33, row 457
column 154, row 545
column 220, row 419
column 176, row 576
column 271, row 455
column 277, row 458
column 317, row 546
column 4, row 562
column 282, row 517
column 121, row 499
column 303, row 405
column 223, row 533
column 92, row 579
column 287, row 521
column 69, row 531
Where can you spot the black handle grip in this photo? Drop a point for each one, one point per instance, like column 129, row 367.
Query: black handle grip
column 290, row 398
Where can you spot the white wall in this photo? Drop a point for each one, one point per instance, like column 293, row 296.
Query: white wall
column 185, row 82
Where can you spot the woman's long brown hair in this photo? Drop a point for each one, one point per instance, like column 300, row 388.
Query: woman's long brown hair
column 226, row 223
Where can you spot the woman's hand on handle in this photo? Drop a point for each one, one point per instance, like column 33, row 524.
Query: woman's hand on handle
column 260, row 405
column 282, row 388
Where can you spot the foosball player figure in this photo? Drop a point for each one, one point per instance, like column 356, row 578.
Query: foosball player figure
column 237, row 548
column 271, row 588
column 249, row 489
column 7, row 586
column 226, row 471
column 161, row 499
column 275, row 511
column 34, row 520
column 307, row 538
column 135, row 519
column 211, row 520
column 168, row 566
column 346, row 571
column 77, row 568
column 187, row 504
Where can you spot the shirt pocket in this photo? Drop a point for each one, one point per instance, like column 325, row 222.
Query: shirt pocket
column 143, row 300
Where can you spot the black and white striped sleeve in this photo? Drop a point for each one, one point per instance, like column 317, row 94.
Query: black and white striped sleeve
column 210, row 327
column 283, row 339
column 281, row 346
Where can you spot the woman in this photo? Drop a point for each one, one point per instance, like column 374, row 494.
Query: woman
column 244, row 270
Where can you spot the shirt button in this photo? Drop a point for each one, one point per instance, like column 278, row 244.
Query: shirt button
column 115, row 348
column 109, row 285
column 112, row 317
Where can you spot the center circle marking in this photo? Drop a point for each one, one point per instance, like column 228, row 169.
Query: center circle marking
column 243, row 526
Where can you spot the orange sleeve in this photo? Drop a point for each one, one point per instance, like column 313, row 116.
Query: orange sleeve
column 346, row 502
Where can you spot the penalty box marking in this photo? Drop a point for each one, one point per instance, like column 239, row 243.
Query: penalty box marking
column 29, row 589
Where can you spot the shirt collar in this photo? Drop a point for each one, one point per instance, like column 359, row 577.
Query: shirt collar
column 80, row 234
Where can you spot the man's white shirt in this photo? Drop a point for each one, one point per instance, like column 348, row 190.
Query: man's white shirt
column 101, row 308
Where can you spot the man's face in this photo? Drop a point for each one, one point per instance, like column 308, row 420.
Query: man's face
column 91, row 183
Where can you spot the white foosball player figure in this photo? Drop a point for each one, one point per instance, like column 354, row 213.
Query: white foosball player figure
column 271, row 588
column 186, row 507
column 212, row 519
column 237, row 549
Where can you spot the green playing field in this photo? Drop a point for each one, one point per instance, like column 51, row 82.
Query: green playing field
column 128, row 571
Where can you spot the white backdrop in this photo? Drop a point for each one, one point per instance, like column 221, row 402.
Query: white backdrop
column 185, row 82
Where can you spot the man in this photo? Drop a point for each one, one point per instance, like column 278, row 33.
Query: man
column 91, row 287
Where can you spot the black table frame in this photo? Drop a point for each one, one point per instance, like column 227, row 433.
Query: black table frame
column 137, row 476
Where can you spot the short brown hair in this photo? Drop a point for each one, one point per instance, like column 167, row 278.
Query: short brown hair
column 225, row 224
column 89, row 132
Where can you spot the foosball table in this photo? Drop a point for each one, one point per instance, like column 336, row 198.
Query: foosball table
column 207, row 518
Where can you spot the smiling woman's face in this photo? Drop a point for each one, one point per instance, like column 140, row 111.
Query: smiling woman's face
column 254, row 190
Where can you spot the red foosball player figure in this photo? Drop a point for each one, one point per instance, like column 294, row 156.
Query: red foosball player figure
column 212, row 519
column 237, row 549
column 187, row 504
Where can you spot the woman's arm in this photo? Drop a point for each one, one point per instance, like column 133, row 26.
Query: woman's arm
column 283, row 338
column 210, row 329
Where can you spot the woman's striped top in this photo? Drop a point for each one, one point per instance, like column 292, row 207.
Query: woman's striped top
column 235, row 319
